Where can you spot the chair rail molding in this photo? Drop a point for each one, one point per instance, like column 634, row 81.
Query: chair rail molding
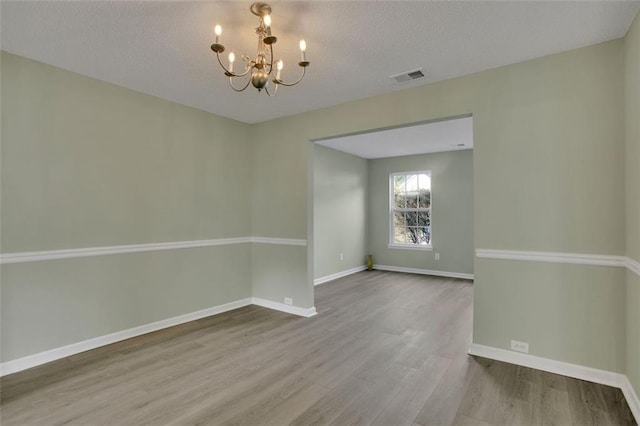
column 553, row 257
column 632, row 265
column 557, row 257
column 36, row 256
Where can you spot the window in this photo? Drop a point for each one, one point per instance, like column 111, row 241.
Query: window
column 410, row 210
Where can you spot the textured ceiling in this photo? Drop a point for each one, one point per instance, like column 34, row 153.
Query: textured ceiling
column 439, row 136
column 162, row 48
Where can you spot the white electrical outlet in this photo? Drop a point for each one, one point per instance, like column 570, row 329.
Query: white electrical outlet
column 341, row 256
column 519, row 346
column 288, row 301
column 437, row 256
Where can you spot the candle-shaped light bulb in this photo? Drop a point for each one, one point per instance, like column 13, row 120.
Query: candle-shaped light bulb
column 266, row 19
column 303, row 49
column 232, row 58
column 218, row 31
column 279, row 66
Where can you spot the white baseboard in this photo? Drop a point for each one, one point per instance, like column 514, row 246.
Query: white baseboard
column 581, row 372
column 337, row 275
column 632, row 398
column 75, row 348
column 34, row 360
column 295, row 310
column 424, row 272
column 545, row 364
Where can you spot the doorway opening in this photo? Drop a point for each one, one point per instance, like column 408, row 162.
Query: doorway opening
column 402, row 195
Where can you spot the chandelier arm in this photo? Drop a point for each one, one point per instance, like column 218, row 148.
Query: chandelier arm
column 266, row 88
column 234, row 87
column 232, row 74
column 278, row 81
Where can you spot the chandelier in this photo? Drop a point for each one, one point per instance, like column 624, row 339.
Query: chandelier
column 262, row 66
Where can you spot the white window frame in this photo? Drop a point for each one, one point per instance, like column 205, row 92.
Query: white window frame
column 407, row 246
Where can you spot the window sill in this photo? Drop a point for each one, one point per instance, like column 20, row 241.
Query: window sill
column 410, row 247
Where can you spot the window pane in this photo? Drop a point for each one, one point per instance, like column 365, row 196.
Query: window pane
column 424, row 181
column 413, row 235
column 400, row 200
column 423, row 219
column 412, row 182
column 411, row 218
column 425, row 198
column 399, row 219
column 425, row 235
column 399, row 184
column 399, row 235
column 412, row 200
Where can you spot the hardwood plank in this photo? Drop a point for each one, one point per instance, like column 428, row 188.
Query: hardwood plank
column 442, row 406
column 413, row 393
column 555, row 407
column 462, row 420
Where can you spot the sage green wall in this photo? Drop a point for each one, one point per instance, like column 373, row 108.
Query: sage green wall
column 340, row 211
column 452, row 211
column 89, row 164
column 274, row 267
column 280, row 183
column 632, row 145
column 85, row 164
column 572, row 313
column 49, row 304
column 548, row 176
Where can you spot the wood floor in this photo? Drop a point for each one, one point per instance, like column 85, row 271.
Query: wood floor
column 386, row 349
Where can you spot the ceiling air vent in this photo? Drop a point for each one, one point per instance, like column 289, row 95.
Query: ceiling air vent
column 407, row 76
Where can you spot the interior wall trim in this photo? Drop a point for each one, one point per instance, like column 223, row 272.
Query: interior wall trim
column 337, row 275
column 34, row 360
column 581, row 372
column 36, row 256
column 632, row 398
column 632, row 265
column 555, row 257
column 295, row 310
column 279, row 241
column 436, row 273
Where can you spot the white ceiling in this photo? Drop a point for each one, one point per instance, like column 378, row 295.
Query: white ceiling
column 449, row 135
column 162, row 48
